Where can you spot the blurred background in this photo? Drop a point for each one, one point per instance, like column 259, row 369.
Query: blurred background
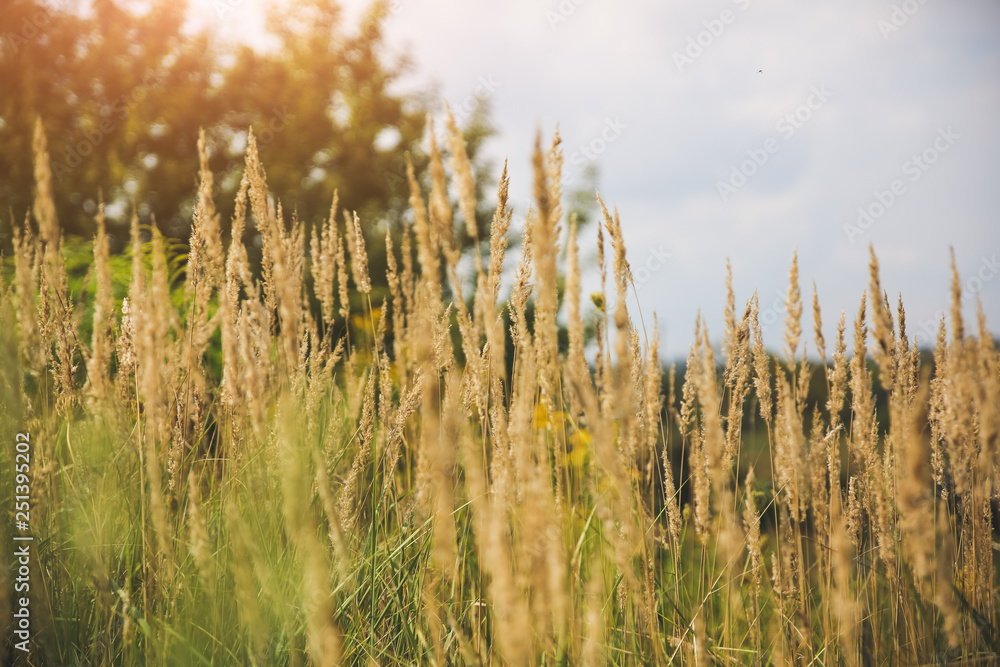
column 740, row 129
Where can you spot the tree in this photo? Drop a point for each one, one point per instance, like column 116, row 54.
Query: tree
column 123, row 94
column 97, row 82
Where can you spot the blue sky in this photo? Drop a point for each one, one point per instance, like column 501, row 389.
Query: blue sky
column 743, row 130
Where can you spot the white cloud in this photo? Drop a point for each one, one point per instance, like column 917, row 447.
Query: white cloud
column 686, row 129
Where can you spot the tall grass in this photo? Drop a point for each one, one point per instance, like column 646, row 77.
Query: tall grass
column 349, row 485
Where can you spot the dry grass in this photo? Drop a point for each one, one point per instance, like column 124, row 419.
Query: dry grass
column 377, row 501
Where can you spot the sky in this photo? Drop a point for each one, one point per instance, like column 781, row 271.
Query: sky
column 744, row 130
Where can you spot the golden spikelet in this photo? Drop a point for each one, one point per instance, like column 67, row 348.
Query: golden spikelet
column 498, row 236
column 957, row 326
column 688, row 389
column 862, row 402
column 237, row 265
column 348, row 497
column 237, row 278
column 98, row 363
column 671, row 501
column 152, row 323
column 466, row 183
column 340, row 244
column 881, row 324
column 490, row 290
column 398, row 312
column 553, row 171
column 987, row 401
column 623, row 272
column 544, row 252
column 286, row 250
column 576, row 361
column 323, row 251
column 426, row 237
column 652, row 396
column 838, row 377
column 205, row 231
column 125, row 343
column 751, row 524
column 738, row 377
column 729, row 332
column 818, row 326
column 57, row 325
column 266, row 226
column 522, row 289
column 44, row 206
column 27, row 259
column 793, row 312
column 359, row 258
column 716, row 465
column 761, row 365
column 699, row 458
column 441, row 221
column 789, row 450
column 407, row 277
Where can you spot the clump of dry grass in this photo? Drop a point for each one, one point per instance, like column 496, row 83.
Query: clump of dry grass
column 378, row 500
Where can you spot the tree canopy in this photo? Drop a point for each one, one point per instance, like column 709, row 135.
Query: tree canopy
column 123, row 90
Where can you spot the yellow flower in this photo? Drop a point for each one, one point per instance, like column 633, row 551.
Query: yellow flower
column 362, row 322
column 540, row 418
column 598, row 300
column 580, row 447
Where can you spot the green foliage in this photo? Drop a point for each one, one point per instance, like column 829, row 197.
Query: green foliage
column 122, row 94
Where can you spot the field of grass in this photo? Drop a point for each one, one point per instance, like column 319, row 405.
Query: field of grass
column 237, row 476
